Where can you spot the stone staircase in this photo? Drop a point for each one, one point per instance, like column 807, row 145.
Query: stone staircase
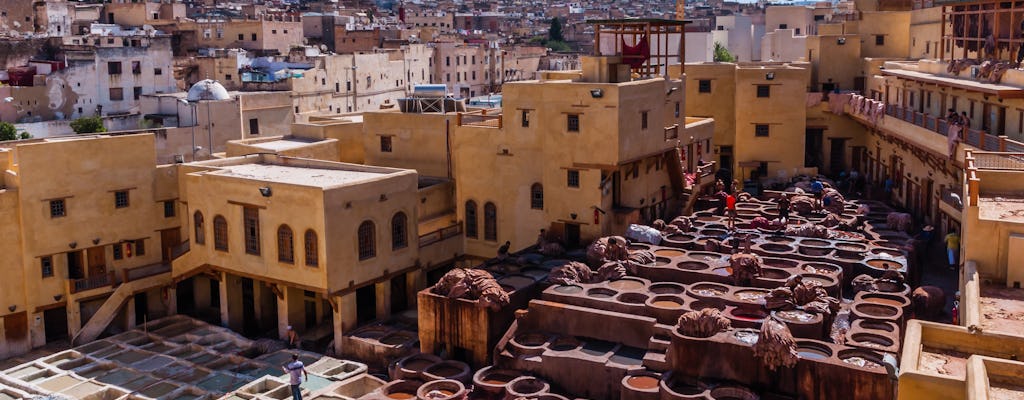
column 109, row 310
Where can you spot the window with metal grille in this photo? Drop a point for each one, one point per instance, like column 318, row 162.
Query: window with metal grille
column 367, row 240
column 537, row 196
column 312, row 254
column 704, row 86
column 169, row 210
column 197, row 224
column 761, row 130
column 399, row 232
column 121, row 199
column 471, row 226
column 251, row 226
column 573, row 178
column 285, row 245
column 220, row 233
column 57, row 208
column 114, row 67
column 46, row 266
column 526, row 119
column 879, row 40
column 764, row 91
column 490, row 222
column 385, row 144
column 573, row 122
column 643, row 120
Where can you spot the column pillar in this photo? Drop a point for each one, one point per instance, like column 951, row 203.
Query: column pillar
column 383, row 294
column 74, row 317
column 345, row 319
column 129, row 309
column 282, row 312
column 172, row 299
column 337, row 318
column 225, row 321
column 415, row 281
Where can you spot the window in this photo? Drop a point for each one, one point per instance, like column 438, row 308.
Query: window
column 114, row 67
column 447, row 61
column 285, row 245
column 474, row 75
column 136, row 67
column 57, row 208
column 573, row 122
column 797, row 32
column 121, row 199
column 228, row 77
column 158, row 71
column 251, row 226
column 312, row 254
column 241, row 36
column 197, row 225
column 573, row 178
column 399, row 233
column 537, row 196
column 385, row 144
column 526, row 119
column 677, row 109
column 783, row 26
column 273, row 31
column 116, row 94
column 704, row 86
column 254, row 126
column 761, row 130
column 367, row 240
column 137, row 92
column 140, row 247
column 643, row 120
column 764, row 91
column 46, row 266
column 879, row 40
column 471, row 226
column 490, row 222
column 220, row 233
column 474, row 60
column 168, row 208
column 118, row 251
column 253, row 37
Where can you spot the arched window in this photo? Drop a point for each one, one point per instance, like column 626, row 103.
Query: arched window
column 197, row 224
column 399, row 233
column 471, row 219
column 220, row 233
column 312, row 254
column 285, row 245
column 490, row 222
column 367, row 240
column 537, row 196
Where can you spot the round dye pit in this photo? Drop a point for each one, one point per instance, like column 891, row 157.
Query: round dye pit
column 747, row 315
column 712, row 232
column 889, row 253
column 876, row 310
column 883, row 264
column 779, row 239
column 530, row 339
column 632, row 298
column 601, row 293
column 861, row 358
column 666, row 288
column 774, row 273
column 661, row 261
column 851, row 246
column 751, row 295
column 667, row 302
column 692, row 266
column 679, row 237
column 526, row 385
column 700, row 305
column 568, row 289
column 626, row 284
column 822, row 269
column 814, row 242
column 776, row 247
column 642, row 382
column 722, row 271
column 729, row 392
column 565, row 343
column 638, row 247
column 396, row 339
column 814, row 251
column 447, row 369
column 871, row 340
column 780, row 263
column 705, row 256
column 893, row 301
column 820, row 280
column 794, row 316
column 669, row 253
column 877, row 326
column 812, row 351
column 708, row 290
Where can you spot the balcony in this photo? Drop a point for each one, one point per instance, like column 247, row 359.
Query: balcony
column 481, row 118
column 672, row 132
column 93, row 282
column 145, row 271
column 972, row 137
column 440, row 245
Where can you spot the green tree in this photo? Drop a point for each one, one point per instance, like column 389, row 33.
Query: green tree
column 722, row 54
column 88, row 125
column 558, row 46
column 555, row 31
column 7, row 131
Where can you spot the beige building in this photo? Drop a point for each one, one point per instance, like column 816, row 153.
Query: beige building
column 267, row 35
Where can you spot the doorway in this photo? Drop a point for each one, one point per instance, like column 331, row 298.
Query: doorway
column 169, row 238
column 55, row 320
column 837, row 156
column 97, row 260
column 309, row 309
column 141, row 308
column 250, row 325
column 186, row 297
column 813, row 152
column 366, row 304
column 75, row 268
column 725, row 157
column 572, row 236
column 399, row 294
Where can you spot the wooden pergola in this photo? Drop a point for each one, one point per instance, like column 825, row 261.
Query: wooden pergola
column 967, row 25
column 632, row 31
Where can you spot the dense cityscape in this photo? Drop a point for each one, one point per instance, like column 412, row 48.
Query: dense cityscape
column 499, row 199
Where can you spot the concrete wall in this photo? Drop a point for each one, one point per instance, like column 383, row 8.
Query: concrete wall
column 418, row 141
column 894, row 26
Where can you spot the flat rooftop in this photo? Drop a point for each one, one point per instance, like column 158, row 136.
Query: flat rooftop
column 287, row 143
column 1003, row 208
column 1002, row 309
column 305, row 176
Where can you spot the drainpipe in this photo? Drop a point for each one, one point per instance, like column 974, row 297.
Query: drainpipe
column 448, row 144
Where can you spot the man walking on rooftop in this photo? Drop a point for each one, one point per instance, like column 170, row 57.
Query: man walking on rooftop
column 296, row 370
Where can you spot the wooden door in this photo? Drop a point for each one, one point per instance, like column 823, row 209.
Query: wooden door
column 16, row 327
column 97, row 261
column 168, row 239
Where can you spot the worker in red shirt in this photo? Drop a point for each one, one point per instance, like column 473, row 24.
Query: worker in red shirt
column 730, row 210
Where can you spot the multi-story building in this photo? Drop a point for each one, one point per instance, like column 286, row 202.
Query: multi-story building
column 469, row 69
column 265, row 36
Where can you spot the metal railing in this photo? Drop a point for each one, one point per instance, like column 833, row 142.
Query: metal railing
column 973, row 137
column 480, row 118
column 93, row 282
column 132, row 274
column 447, row 232
column 999, row 161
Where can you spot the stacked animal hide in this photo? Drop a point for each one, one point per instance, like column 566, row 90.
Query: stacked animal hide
column 775, row 346
column 704, row 323
column 472, row 284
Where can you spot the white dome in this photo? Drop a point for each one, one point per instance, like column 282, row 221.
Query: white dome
column 207, row 89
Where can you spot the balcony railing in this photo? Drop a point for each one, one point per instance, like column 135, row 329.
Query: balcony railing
column 672, row 132
column 93, row 282
column 952, row 198
column 973, row 137
column 481, row 118
column 132, row 274
column 999, row 161
column 449, row 231
column 179, row 249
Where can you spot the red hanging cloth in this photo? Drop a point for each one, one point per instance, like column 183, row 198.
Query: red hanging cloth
column 636, row 55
